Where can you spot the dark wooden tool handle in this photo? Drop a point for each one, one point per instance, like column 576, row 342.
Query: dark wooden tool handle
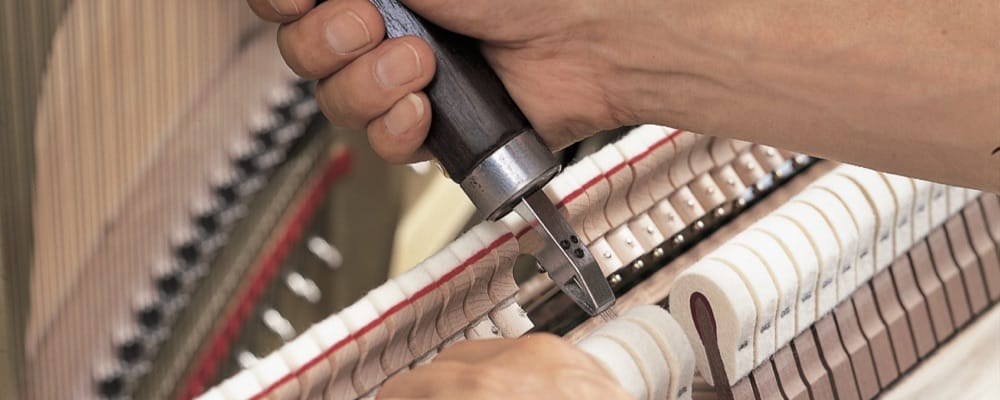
column 472, row 113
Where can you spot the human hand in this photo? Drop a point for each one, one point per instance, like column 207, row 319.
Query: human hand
column 539, row 366
column 562, row 61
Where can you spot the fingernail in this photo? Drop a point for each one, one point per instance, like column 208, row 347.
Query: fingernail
column 286, row 8
column 398, row 66
column 404, row 115
column 346, row 32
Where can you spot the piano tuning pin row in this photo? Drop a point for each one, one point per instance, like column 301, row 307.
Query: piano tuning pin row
column 325, row 251
column 271, row 134
column 111, row 382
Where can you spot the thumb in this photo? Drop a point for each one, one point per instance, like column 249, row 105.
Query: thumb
column 489, row 20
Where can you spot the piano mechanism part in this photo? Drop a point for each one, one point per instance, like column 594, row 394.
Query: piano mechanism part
column 486, row 144
column 189, row 252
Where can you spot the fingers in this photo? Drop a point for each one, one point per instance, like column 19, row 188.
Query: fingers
column 398, row 135
column 377, row 80
column 423, row 381
column 280, row 10
column 472, row 351
column 330, row 36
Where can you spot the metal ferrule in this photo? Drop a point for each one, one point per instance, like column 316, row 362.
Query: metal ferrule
column 521, row 166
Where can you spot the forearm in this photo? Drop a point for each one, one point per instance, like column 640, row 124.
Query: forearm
column 907, row 87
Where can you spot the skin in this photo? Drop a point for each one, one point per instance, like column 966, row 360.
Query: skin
column 906, row 87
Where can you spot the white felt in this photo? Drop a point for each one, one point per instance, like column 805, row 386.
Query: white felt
column 880, row 198
column 839, row 219
column 386, row 296
column 734, row 311
column 300, row 351
column 511, row 320
column 560, row 187
column 357, row 315
column 644, row 351
column 826, row 248
column 617, row 362
column 243, row 385
column 514, row 223
column 625, row 244
column 666, row 218
column 903, row 191
column 798, row 249
column 729, row 182
column 939, row 204
column 673, row 343
column 270, row 369
column 440, row 264
column 466, row 246
column 483, row 329
column 783, row 275
column 921, row 209
column 212, row 394
column 606, row 256
column 863, row 216
column 414, row 280
column 686, row 205
column 644, row 229
column 758, row 282
column 489, row 232
column 328, row 332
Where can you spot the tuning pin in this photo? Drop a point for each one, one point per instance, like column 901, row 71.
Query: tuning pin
column 130, row 346
column 277, row 323
column 225, row 182
column 212, row 216
column 194, row 249
column 169, row 278
column 111, row 381
column 283, row 99
column 303, row 287
column 150, row 312
column 244, row 156
column 325, row 251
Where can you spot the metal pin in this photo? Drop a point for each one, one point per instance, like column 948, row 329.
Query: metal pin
column 277, row 323
column 246, row 359
column 658, row 253
column 325, row 251
column 638, row 264
column 678, row 239
column 303, row 287
column 615, row 279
